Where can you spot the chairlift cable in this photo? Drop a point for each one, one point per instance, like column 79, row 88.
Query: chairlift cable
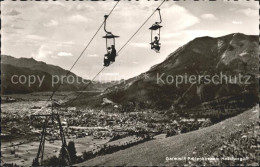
column 53, row 93
column 141, row 26
column 117, row 52
column 87, row 85
column 85, row 49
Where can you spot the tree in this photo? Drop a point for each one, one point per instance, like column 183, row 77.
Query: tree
column 171, row 132
column 206, row 123
column 35, row 162
column 62, row 156
column 87, row 155
column 184, row 129
column 72, row 152
column 52, row 161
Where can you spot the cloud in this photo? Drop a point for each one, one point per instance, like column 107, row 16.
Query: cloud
column 237, row 22
column 11, row 27
column 10, row 32
column 244, row 3
column 42, row 53
column 68, row 43
column 209, row 16
column 65, row 44
column 84, row 7
column 16, row 27
column 134, row 62
column 140, row 45
column 232, row 9
column 180, row 38
column 57, row 3
column 12, row 12
column 54, row 57
column 182, row 18
column 35, row 37
column 54, row 5
column 65, row 54
column 92, row 55
column 77, row 18
column 111, row 74
column 201, row 33
column 249, row 12
column 18, row 18
column 171, row 35
column 124, row 21
column 51, row 23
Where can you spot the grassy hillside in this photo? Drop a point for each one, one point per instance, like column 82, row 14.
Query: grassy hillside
column 207, row 140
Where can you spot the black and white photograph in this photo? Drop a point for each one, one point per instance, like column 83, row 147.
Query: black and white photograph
column 129, row 83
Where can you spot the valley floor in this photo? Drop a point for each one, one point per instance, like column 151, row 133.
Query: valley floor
column 206, row 142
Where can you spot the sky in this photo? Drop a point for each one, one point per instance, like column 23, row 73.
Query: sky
column 56, row 32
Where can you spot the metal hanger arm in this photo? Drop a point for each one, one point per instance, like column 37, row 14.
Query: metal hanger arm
column 159, row 10
column 105, row 23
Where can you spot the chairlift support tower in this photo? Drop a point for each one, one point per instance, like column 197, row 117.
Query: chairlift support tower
column 53, row 116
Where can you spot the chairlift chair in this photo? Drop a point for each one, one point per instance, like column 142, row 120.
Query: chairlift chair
column 156, row 27
column 110, row 38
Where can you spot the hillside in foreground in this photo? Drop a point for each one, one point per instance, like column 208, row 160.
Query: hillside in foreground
column 206, row 142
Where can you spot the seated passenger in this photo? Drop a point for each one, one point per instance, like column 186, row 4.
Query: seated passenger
column 106, row 60
column 155, row 44
column 113, row 53
column 107, row 57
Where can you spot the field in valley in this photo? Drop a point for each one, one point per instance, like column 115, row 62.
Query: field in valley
column 25, row 153
column 16, row 128
column 206, row 140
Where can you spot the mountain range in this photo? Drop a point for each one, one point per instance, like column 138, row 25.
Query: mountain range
column 11, row 66
column 231, row 55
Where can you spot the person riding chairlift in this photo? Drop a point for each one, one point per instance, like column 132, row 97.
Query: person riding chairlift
column 113, row 54
column 155, row 44
column 107, row 57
